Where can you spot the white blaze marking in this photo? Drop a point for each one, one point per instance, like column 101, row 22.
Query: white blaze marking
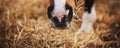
column 59, row 8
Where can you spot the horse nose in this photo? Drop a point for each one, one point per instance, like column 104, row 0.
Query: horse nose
column 60, row 25
column 59, row 18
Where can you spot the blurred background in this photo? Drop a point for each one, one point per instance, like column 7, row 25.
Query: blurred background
column 24, row 24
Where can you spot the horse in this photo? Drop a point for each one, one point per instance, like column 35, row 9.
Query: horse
column 61, row 12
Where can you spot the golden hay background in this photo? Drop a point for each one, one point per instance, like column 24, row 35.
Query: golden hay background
column 24, row 24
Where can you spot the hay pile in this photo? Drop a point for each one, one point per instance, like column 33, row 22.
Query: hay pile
column 24, row 24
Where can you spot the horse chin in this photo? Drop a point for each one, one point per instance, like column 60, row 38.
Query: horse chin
column 61, row 25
